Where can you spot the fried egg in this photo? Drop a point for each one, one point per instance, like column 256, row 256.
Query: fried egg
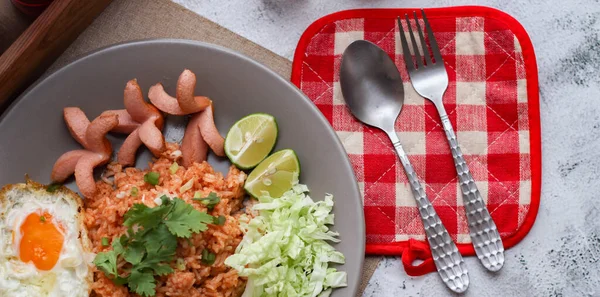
column 44, row 248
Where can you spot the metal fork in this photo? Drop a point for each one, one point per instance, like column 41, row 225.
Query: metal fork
column 430, row 80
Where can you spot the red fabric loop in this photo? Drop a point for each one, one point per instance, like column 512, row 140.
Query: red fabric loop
column 417, row 250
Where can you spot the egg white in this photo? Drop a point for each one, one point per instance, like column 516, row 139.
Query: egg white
column 71, row 276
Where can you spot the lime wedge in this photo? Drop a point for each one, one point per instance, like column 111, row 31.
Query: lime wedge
column 250, row 140
column 276, row 174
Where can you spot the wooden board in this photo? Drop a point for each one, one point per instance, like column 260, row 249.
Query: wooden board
column 12, row 24
column 43, row 41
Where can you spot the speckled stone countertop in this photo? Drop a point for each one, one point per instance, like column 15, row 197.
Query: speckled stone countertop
column 561, row 254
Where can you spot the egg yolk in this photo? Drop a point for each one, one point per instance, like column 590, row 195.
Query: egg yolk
column 41, row 241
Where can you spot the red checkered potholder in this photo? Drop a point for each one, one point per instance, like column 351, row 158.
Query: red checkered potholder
column 492, row 101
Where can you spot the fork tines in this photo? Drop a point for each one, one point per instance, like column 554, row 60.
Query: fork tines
column 410, row 64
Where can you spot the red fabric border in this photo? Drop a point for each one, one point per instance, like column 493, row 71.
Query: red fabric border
column 415, row 250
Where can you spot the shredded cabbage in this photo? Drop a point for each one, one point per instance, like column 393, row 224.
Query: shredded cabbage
column 284, row 250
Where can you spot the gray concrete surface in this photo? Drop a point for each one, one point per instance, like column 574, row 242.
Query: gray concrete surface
column 561, row 255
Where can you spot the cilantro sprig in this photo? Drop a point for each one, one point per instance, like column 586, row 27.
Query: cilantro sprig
column 150, row 243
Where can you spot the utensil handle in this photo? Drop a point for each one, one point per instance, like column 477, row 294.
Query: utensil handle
column 484, row 234
column 448, row 261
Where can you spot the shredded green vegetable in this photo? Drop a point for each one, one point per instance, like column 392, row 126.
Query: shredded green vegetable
column 284, row 250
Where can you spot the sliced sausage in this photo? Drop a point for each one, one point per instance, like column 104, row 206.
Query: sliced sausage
column 186, row 85
column 127, row 152
column 150, row 119
column 164, row 101
column 126, row 123
column 152, row 137
column 209, row 132
column 193, row 147
column 65, row 165
column 77, row 122
column 84, row 172
column 96, row 134
column 136, row 106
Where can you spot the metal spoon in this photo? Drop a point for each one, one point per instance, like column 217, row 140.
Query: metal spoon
column 372, row 88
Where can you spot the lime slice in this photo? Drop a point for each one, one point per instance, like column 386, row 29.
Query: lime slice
column 250, row 140
column 276, row 174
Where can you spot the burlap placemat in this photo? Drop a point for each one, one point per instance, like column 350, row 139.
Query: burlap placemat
column 126, row 20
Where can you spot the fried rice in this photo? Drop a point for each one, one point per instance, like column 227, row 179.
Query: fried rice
column 104, row 218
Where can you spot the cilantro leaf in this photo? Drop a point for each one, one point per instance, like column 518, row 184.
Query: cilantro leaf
column 134, row 253
column 144, row 216
column 136, row 213
column 162, row 269
column 118, row 245
column 107, row 262
column 142, row 283
column 184, row 219
column 120, row 280
column 160, row 244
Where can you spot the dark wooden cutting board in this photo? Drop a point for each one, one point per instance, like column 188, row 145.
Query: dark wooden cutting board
column 41, row 42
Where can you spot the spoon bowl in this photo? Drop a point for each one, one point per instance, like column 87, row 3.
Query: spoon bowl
column 368, row 74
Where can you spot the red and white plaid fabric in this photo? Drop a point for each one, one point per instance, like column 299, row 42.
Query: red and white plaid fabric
column 486, row 100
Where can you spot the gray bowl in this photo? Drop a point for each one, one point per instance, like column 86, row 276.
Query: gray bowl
column 34, row 134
